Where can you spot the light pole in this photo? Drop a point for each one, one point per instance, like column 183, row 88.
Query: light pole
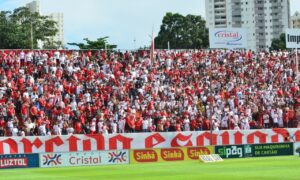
column 210, row 114
column 31, row 34
column 211, row 107
column 134, row 43
column 297, row 68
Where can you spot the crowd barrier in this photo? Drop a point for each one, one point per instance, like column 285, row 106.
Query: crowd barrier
column 114, row 157
column 75, row 143
column 88, row 150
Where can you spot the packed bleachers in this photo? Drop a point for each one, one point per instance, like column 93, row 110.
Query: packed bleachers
column 65, row 92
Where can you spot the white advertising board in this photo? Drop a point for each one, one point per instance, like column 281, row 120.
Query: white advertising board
column 100, row 142
column 292, row 38
column 91, row 158
column 296, row 146
column 229, row 38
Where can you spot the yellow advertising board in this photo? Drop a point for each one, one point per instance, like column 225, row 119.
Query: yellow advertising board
column 169, row 154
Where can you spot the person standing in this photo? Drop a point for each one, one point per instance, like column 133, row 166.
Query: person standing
column 145, row 125
column 186, row 123
column 280, row 117
column 275, row 118
column 121, row 125
column 266, row 119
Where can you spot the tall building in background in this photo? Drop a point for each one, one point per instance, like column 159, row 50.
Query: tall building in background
column 295, row 20
column 59, row 19
column 263, row 19
column 34, row 6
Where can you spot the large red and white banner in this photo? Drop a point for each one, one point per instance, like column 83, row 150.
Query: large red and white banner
column 74, row 143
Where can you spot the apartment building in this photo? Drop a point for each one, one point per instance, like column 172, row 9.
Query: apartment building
column 263, row 19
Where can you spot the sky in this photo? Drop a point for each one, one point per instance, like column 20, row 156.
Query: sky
column 128, row 23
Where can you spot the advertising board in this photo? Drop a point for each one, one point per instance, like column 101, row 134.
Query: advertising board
column 228, row 38
column 19, row 161
column 297, row 149
column 233, row 151
column 292, row 38
column 276, row 149
column 91, row 158
column 105, row 142
column 255, row 150
column 169, row 154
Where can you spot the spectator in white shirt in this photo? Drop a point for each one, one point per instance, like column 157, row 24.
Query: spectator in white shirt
column 145, row 125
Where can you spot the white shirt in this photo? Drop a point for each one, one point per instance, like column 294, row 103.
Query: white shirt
column 186, row 124
column 29, row 126
column 87, row 97
column 10, row 124
column 73, row 105
column 100, row 126
column 56, row 54
column 62, row 59
column 121, row 124
column 145, row 124
column 275, row 118
column 266, row 118
column 114, row 128
column 42, row 129
column 93, row 126
column 56, row 129
column 29, row 57
column 70, row 130
column 22, row 55
column 15, row 131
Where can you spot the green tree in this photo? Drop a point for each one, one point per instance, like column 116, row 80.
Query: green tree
column 22, row 29
column 49, row 43
column 100, row 43
column 182, row 32
column 278, row 43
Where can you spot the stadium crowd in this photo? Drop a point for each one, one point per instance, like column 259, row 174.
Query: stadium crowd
column 71, row 92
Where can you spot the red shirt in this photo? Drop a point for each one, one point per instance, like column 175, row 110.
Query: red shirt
column 178, row 128
column 78, row 127
column 131, row 123
column 34, row 111
column 24, row 110
column 66, row 110
column 138, row 125
column 2, row 123
column 11, row 111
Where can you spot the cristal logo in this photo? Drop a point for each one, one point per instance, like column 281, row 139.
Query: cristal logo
column 228, row 36
column 52, row 159
column 117, row 157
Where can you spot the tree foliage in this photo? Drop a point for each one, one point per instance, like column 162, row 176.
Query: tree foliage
column 100, row 43
column 182, row 32
column 49, row 43
column 278, row 43
column 21, row 29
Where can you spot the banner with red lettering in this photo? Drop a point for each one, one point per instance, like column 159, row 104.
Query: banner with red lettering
column 169, row 154
column 74, row 143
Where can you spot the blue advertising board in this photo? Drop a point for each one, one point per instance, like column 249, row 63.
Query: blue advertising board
column 19, row 161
